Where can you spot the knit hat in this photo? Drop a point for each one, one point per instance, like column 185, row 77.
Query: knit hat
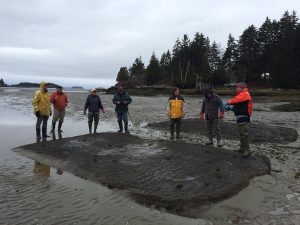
column 93, row 89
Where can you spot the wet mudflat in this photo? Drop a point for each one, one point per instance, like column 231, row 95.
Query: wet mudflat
column 258, row 132
column 176, row 176
column 30, row 196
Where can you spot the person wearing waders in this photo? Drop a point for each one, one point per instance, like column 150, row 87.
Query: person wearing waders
column 94, row 105
column 42, row 110
column 59, row 100
column 121, row 99
column 242, row 108
column 212, row 108
column 175, row 111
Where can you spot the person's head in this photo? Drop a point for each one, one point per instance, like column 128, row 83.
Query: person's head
column 59, row 89
column 44, row 86
column 120, row 89
column 176, row 91
column 208, row 93
column 93, row 91
column 240, row 87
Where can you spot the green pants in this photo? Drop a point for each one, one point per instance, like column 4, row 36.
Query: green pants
column 213, row 128
column 243, row 129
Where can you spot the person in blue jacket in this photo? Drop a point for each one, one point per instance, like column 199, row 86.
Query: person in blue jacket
column 121, row 99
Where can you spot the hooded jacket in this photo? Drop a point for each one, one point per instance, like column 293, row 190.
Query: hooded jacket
column 41, row 101
column 242, row 103
column 212, row 106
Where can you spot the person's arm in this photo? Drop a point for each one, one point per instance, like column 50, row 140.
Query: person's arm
column 35, row 103
column 182, row 107
column 67, row 100
column 86, row 105
column 115, row 100
column 100, row 105
column 201, row 114
column 221, row 108
column 53, row 98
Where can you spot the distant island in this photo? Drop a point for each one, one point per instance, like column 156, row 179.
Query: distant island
column 77, row 87
column 26, row 85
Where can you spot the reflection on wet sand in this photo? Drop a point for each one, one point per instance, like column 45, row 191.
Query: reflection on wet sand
column 41, row 169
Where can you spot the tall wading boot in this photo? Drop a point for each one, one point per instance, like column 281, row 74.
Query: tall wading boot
column 59, row 127
column 38, row 133
column 53, row 127
column 95, row 126
column 90, row 127
column 126, row 128
column 120, row 126
column 177, row 134
column 44, row 132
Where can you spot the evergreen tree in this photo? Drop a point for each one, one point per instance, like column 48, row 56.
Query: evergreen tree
column 153, row 71
column 138, row 68
column 123, row 75
column 248, row 54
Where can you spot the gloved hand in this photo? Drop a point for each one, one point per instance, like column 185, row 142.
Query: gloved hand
column 228, row 107
column 183, row 115
column 221, row 115
column 37, row 114
column 201, row 115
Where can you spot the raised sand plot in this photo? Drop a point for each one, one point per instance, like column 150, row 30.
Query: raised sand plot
column 176, row 176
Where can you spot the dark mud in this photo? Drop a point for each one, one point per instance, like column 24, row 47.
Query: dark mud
column 290, row 107
column 258, row 132
column 176, row 176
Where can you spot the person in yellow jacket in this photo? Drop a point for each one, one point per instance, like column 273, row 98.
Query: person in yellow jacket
column 175, row 112
column 41, row 109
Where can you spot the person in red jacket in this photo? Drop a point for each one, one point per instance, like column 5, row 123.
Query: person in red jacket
column 59, row 100
column 242, row 108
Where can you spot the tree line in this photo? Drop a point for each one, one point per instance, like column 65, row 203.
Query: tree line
column 267, row 56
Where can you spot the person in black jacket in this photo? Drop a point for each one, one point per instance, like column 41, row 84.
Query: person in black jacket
column 94, row 104
column 122, row 100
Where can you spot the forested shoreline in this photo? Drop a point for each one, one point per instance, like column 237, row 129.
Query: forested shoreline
column 268, row 56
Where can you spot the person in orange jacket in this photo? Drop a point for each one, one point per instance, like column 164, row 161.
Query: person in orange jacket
column 242, row 108
column 175, row 111
column 213, row 109
column 59, row 100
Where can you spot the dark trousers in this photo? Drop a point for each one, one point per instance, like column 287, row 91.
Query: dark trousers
column 93, row 117
column 175, row 124
column 39, row 121
column 122, row 117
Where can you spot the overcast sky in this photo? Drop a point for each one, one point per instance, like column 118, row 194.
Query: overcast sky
column 85, row 42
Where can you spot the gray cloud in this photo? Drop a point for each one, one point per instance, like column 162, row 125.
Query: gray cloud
column 88, row 41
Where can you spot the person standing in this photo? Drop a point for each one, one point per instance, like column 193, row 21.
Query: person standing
column 93, row 104
column 242, row 108
column 59, row 100
column 122, row 99
column 175, row 112
column 212, row 108
column 42, row 109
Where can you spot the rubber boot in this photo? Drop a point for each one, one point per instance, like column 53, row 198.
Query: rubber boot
column 38, row 133
column 90, row 128
column 177, row 134
column 120, row 127
column 126, row 128
column 219, row 143
column 172, row 134
column 53, row 128
column 210, row 142
column 59, row 127
column 44, row 132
